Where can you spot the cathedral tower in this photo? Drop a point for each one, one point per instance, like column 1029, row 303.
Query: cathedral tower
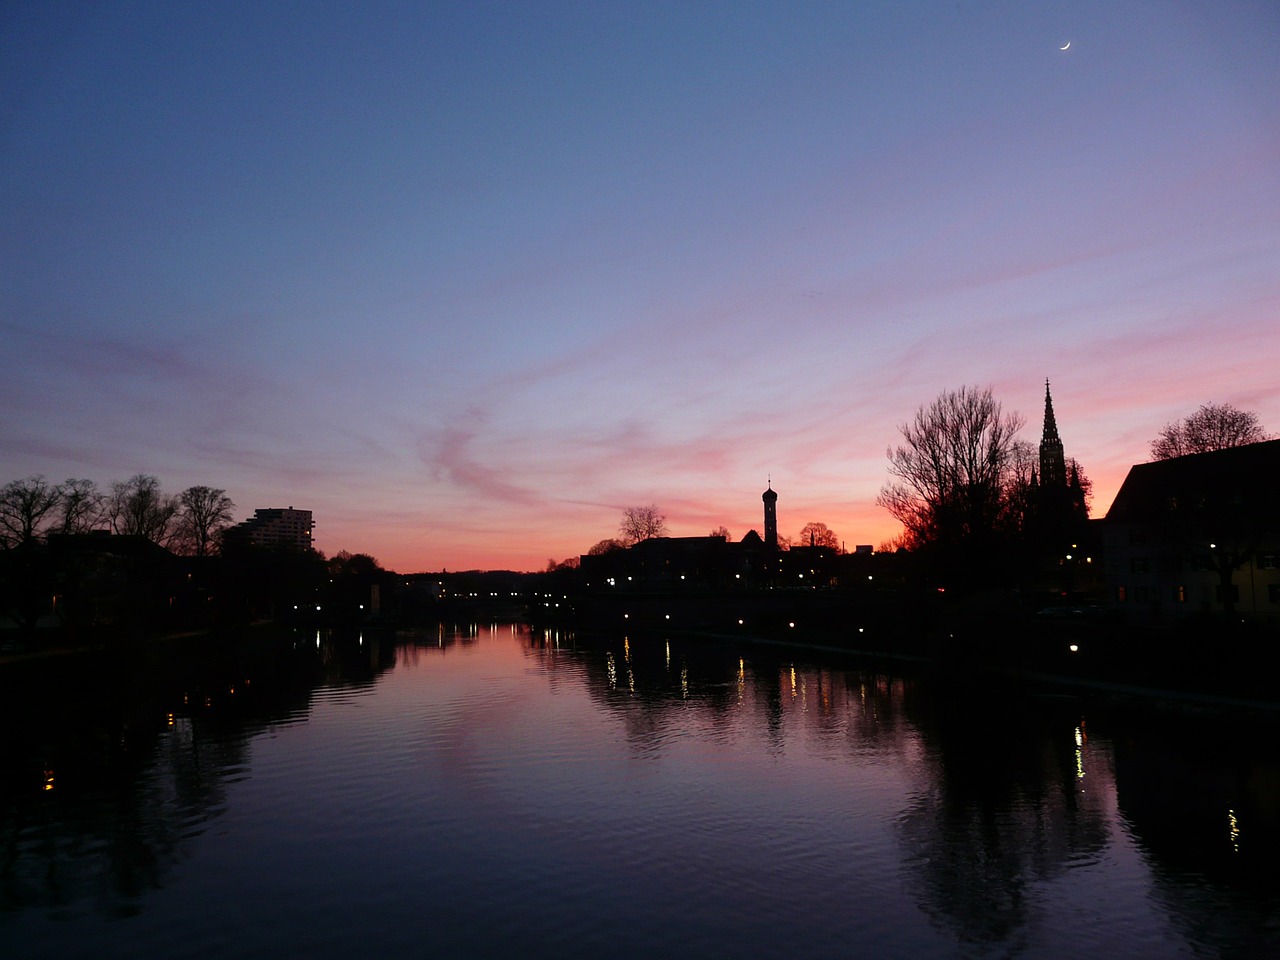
column 1053, row 463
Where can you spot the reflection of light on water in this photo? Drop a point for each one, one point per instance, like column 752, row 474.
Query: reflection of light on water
column 742, row 678
column 793, row 681
column 1234, row 830
column 1080, row 741
column 626, row 649
column 684, row 683
column 668, row 655
column 48, row 780
column 611, row 670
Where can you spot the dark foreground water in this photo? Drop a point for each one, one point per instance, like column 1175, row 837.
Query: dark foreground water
column 489, row 793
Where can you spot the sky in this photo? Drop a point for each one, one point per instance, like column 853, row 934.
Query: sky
column 468, row 279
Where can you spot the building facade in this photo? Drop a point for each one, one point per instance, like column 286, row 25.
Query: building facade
column 278, row 528
column 1197, row 534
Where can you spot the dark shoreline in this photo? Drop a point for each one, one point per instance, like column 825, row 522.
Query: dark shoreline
column 1208, row 664
column 1194, row 661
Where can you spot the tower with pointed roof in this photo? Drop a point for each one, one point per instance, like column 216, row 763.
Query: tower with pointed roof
column 1053, row 463
column 770, row 517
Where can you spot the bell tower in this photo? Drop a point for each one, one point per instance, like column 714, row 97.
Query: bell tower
column 770, row 517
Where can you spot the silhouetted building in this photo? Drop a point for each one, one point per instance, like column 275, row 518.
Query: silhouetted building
column 1053, row 463
column 278, row 527
column 1056, row 529
column 1198, row 533
column 689, row 562
column 103, row 579
column 770, row 517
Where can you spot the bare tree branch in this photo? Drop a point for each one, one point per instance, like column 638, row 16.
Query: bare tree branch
column 642, row 523
column 1215, row 426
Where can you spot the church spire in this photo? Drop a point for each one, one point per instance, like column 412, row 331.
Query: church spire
column 1053, row 464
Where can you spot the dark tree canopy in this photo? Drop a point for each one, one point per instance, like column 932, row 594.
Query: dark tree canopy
column 954, row 473
column 1215, row 426
column 347, row 565
column 138, row 507
column 203, row 513
column 80, row 507
column 817, row 535
column 602, row 547
column 642, row 523
column 24, row 507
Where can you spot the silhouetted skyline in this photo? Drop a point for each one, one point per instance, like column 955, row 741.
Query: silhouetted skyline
column 467, row 281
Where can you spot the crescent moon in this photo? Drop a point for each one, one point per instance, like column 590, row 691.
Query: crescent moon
column 1067, row 45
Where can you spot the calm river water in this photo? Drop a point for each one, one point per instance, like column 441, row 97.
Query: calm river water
column 488, row 792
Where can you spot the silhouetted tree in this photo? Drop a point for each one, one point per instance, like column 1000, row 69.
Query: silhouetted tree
column 203, row 512
column 79, row 508
column 721, row 531
column 1215, row 426
column 25, row 573
column 25, row 506
column 354, row 566
column 953, row 477
column 605, row 546
column 138, row 507
column 642, row 523
column 902, row 541
column 817, row 535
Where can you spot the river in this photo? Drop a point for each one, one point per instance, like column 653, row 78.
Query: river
column 488, row 791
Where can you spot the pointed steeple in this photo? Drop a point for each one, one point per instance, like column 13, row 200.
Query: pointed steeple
column 1053, row 463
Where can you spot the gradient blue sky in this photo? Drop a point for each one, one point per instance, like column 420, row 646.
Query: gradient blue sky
column 467, row 279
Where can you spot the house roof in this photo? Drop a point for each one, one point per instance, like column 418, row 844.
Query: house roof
column 1241, row 478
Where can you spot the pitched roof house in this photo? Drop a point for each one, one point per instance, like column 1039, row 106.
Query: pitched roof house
column 1199, row 533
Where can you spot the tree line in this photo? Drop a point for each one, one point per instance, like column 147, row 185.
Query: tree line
column 965, row 487
column 190, row 522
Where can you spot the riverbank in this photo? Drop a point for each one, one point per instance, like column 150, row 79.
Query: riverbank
column 1191, row 662
column 984, row 639
column 113, row 645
